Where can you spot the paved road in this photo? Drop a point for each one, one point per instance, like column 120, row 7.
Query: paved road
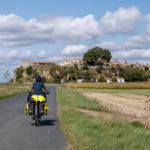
column 17, row 131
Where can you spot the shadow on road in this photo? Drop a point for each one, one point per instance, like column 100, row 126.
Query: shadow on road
column 46, row 122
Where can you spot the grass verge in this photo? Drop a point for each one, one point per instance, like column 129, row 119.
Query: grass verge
column 84, row 132
column 7, row 91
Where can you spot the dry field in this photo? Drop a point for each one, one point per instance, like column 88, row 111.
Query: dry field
column 11, row 87
column 12, row 90
column 126, row 107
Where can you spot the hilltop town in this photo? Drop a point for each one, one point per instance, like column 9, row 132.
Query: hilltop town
column 75, row 70
column 95, row 66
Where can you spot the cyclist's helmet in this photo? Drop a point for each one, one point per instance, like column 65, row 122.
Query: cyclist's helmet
column 38, row 78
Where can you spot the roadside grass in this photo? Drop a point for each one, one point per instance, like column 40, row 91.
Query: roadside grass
column 84, row 132
column 7, row 91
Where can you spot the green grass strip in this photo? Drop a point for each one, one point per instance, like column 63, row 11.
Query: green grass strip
column 85, row 132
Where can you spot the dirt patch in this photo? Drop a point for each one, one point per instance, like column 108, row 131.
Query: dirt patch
column 96, row 113
column 130, row 108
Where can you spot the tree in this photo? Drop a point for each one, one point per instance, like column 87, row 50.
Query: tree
column 146, row 68
column 95, row 55
column 7, row 75
column 29, row 71
column 99, row 69
column 34, row 73
column 101, row 79
column 114, row 79
column 76, row 67
column 134, row 74
column 19, row 73
column 85, row 67
column 106, row 55
column 86, row 76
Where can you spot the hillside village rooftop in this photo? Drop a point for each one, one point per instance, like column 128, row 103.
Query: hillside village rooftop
column 36, row 63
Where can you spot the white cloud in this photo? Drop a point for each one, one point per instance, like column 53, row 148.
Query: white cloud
column 74, row 49
column 137, row 54
column 15, row 31
column 122, row 21
column 110, row 45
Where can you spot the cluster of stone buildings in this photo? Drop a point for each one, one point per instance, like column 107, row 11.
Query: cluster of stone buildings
column 79, row 62
column 26, row 64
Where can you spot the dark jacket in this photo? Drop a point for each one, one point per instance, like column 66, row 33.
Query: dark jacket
column 37, row 88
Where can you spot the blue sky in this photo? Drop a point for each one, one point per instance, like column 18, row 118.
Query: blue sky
column 55, row 30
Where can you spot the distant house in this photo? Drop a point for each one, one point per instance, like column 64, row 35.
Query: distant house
column 108, row 80
column 79, row 80
column 115, row 63
column 120, row 80
column 70, row 62
column 33, row 63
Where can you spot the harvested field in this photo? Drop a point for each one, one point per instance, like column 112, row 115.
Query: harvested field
column 124, row 106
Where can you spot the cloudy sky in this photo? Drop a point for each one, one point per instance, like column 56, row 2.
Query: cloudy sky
column 51, row 30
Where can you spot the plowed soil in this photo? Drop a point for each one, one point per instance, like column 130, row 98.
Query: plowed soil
column 124, row 106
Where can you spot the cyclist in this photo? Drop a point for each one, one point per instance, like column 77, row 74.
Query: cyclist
column 37, row 88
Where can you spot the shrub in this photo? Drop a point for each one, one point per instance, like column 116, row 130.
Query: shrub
column 85, row 67
column 29, row 71
column 76, row 67
column 19, row 73
column 20, row 80
column 101, row 79
column 57, row 78
column 114, row 80
column 34, row 73
column 99, row 69
column 86, row 76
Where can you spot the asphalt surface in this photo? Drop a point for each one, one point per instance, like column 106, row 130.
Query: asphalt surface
column 18, row 132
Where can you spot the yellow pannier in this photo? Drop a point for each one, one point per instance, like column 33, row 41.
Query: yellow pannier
column 37, row 98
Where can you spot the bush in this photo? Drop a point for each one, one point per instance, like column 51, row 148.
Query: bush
column 99, row 69
column 134, row 74
column 86, row 76
column 29, row 71
column 20, row 80
column 34, row 73
column 85, row 67
column 114, row 80
column 19, row 73
column 101, row 79
column 76, row 67
column 57, row 79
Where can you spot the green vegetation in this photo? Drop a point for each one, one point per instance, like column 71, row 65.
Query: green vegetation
column 29, row 71
column 10, row 90
column 95, row 64
column 134, row 74
column 95, row 55
column 19, row 73
column 84, row 132
column 99, row 69
column 101, row 79
column 114, row 79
